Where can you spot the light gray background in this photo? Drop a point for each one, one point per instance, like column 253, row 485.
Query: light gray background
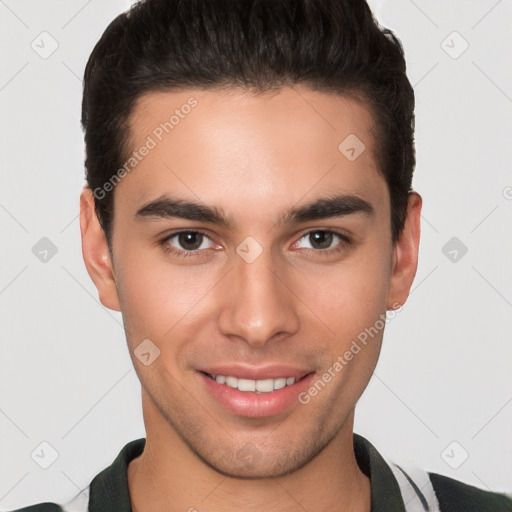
column 65, row 374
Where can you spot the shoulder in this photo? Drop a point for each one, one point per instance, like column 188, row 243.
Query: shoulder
column 41, row 507
column 454, row 496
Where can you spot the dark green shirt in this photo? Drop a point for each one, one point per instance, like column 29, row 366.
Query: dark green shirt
column 108, row 491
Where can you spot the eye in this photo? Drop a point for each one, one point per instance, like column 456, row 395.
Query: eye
column 190, row 243
column 323, row 240
column 184, row 242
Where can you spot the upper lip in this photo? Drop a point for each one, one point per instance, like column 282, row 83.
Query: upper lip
column 256, row 373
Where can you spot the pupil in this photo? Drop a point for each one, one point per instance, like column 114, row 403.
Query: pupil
column 322, row 239
column 190, row 241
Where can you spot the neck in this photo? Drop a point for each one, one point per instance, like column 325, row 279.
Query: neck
column 169, row 477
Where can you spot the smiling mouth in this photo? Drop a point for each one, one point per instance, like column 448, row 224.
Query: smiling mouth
column 254, row 386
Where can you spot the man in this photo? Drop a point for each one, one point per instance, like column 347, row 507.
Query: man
column 249, row 210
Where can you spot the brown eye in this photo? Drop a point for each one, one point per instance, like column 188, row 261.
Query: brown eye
column 187, row 242
column 190, row 241
column 321, row 239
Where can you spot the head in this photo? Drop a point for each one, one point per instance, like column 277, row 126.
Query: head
column 277, row 138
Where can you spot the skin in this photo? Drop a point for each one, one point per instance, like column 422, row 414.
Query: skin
column 254, row 157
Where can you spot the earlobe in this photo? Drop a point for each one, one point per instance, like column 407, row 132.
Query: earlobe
column 405, row 254
column 95, row 252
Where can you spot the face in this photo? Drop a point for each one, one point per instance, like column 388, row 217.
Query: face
column 254, row 253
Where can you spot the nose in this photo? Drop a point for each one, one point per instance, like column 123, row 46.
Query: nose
column 258, row 304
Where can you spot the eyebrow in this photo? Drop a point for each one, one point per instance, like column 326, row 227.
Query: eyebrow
column 323, row 208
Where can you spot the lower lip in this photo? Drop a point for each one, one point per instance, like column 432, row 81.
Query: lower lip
column 255, row 405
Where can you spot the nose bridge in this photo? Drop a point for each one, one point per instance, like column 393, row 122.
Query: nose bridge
column 256, row 304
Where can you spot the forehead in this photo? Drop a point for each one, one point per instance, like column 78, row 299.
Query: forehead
column 301, row 112
column 268, row 148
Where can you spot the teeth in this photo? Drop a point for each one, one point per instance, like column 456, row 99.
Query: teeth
column 232, row 382
column 246, row 385
column 279, row 383
column 265, row 386
column 260, row 386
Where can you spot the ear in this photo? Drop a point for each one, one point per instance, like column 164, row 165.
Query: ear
column 405, row 254
column 95, row 252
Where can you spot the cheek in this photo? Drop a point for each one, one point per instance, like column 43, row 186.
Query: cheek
column 351, row 295
column 155, row 296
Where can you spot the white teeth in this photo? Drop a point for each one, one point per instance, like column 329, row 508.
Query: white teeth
column 279, row 383
column 246, row 385
column 260, row 386
column 265, row 386
column 232, row 382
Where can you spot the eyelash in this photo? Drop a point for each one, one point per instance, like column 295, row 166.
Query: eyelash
column 342, row 245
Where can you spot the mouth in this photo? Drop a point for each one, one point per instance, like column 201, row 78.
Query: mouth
column 267, row 394
column 254, row 386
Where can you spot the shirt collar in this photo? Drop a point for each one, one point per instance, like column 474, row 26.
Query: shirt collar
column 109, row 489
column 385, row 492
